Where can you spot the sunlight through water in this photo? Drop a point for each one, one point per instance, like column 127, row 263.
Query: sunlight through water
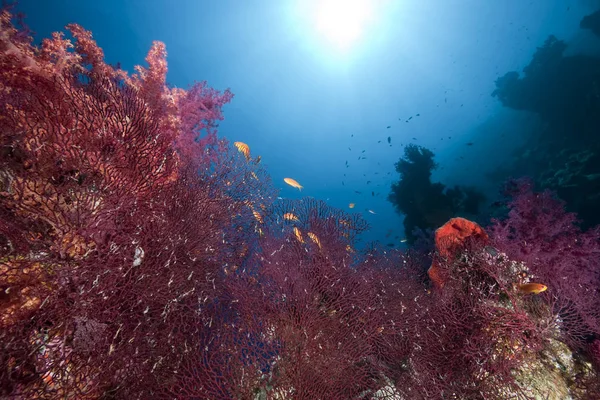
column 342, row 22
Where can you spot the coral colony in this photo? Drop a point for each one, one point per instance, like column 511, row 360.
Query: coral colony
column 142, row 257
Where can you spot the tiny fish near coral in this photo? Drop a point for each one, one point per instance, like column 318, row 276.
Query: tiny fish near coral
column 293, row 183
column 535, row 288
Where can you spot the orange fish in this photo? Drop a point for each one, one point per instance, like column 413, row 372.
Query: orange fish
column 293, row 183
column 535, row 288
column 298, row 235
column 314, row 238
column 351, row 205
column 290, row 217
column 243, row 148
column 257, row 216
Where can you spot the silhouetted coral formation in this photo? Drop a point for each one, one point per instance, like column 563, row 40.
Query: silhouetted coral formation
column 565, row 92
column 591, row 22
column 424, row 204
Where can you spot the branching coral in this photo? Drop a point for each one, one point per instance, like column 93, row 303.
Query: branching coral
column 138, row 260
column 113, row 236
column 426, row 205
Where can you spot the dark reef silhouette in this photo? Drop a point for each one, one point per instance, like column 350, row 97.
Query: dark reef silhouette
column 424, row 204
column 564, row 91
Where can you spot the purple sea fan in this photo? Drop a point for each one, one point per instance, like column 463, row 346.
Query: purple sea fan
column 540, row 233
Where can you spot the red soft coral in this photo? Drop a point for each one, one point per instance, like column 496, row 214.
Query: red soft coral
column 540, row 233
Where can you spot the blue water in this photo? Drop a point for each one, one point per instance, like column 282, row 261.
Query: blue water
column 307, row 107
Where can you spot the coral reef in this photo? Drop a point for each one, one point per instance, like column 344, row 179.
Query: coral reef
column 591, row 22
column 142, row 257
column 424, row 204
column 564, row 91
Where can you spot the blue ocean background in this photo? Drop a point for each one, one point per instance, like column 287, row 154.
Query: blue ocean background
column 421, row 72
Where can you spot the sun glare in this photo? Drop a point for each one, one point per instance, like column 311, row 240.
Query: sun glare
column 342, row 22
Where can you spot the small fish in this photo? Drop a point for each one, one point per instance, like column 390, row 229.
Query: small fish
column 257, row 216
column 363, row 151
column 373, row 194
column 254, row 175
column 349, row 149
column 379, row 141
column 388, row 127
column 372, row 212
column 535, row 288
column 290, row 217
column 357, row 192
column 351, row 205
column 389, row 139
column 279, row 198
column 403, row 240
column 349, row 249
column 243, row 148
column 298, row 235
column 409, row 118
column 293, row 183
column 314, row 238
column 257, row 160
column 418, row 115
column 368, row 182
column 390, row 244
column 470, row 144
column 414, row 138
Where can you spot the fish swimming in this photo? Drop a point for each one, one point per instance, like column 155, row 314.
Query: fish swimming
column 293, row 183
column 243, row 148
column 314, row 238
column 290, row 217
column 535, row 288
column 298, row 235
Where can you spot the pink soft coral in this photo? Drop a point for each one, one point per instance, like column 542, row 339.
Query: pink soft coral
column 540, row 233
